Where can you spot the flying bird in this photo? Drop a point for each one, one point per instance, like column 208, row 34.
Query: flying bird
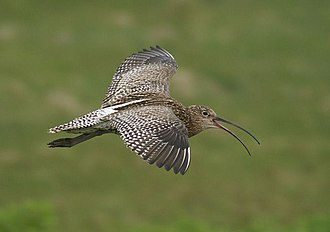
column 138, row 107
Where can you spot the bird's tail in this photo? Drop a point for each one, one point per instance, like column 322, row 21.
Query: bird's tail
column 83, row 124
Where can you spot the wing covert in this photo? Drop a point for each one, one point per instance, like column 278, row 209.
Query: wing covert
column 157, row 135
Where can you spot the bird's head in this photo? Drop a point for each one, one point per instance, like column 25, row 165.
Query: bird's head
column 203, row 117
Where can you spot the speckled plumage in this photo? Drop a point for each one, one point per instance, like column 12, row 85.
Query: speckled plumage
column 139, row 108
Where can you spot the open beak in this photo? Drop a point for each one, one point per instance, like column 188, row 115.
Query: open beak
column 217, row 121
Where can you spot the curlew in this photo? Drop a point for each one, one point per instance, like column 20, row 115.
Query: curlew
column 139, row 108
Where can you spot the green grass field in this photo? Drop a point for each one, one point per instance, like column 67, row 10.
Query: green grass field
column 261, row 64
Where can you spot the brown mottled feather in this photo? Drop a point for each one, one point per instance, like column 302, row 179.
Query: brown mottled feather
column 148, row 71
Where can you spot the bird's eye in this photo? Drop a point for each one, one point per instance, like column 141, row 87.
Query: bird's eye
column 205, row 113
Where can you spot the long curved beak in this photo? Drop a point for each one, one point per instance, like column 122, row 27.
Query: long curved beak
column 217, row 121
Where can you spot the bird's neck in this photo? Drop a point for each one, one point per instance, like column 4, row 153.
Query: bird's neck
column 185, row 114
column 194, row 124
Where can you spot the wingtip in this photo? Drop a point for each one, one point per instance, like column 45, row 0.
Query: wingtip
column 157, row 47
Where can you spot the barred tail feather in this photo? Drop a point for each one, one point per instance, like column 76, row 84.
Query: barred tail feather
column 84, row 123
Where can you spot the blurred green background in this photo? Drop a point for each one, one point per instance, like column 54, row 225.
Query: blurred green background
column 261, row 64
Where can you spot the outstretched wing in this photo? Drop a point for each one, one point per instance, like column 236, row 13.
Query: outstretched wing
column 148, row 71
column 157, row 135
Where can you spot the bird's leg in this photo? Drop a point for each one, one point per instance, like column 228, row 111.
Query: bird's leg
column 70, row 142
